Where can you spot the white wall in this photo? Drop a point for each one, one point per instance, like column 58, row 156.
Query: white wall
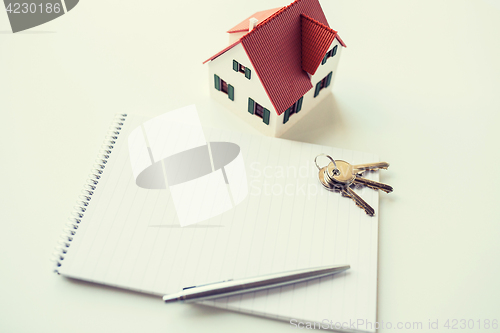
column 310, row 101
column 234, row 36
column 243, row 88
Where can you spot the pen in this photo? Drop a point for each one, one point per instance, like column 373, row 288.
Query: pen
column 234, row 287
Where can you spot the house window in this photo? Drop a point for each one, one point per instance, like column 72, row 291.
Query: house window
column 258, row 110
column 325, row 82
column 331, row 53
column 295, row 108
column 223, row 86
column 237, row 67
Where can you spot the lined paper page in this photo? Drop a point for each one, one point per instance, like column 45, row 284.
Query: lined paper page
column 310, row 229
column 130, row 237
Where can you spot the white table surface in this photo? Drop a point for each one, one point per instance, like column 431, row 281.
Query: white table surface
column 418, row 85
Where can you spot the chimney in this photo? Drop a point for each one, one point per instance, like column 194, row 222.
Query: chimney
column 252, row 23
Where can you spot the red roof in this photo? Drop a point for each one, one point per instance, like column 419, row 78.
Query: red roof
column 316, row 39
column 284, row 47
column 261, row 16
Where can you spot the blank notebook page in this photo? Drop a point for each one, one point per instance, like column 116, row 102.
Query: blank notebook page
column 131, row 237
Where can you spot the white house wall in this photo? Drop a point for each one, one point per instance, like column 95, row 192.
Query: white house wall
column 243, row 89
column 309, row 101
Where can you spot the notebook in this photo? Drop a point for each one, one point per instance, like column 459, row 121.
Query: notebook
column 173, row 204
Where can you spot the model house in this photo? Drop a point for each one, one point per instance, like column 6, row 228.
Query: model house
column 278, row 66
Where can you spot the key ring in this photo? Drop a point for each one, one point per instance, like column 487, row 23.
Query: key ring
column 336, row 171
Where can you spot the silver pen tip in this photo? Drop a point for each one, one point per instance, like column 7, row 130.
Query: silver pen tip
column 170, row 298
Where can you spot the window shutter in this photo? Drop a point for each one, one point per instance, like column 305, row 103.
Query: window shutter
column 299, row 104
column 334, row 50
column 235, row 65
column 251, row 105
column 217, row 82
column 248, row 73
column 266, row 116
column 328, row 79
column 324, row 59
column 318, row 88
column 286, row 116
column 230, row 92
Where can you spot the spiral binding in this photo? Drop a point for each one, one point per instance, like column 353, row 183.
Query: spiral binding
column 71, row 227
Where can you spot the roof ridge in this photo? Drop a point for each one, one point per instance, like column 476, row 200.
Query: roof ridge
column 260, row 15
column 318, row 23
column 325, row 27
column 270, row 18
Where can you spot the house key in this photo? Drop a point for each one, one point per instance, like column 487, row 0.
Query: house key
column 339, row 176
column 330, row 186
column 351, row 176
column 341, row 183
column 360, row 168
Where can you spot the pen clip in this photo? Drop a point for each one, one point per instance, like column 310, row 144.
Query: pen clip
column 206, row 284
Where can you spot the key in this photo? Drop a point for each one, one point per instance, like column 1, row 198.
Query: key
column 372, row 184
column 360, row 168
column 340, row 175
column 322, row 180
column 345, row 173
column 349, row 176
column 343, row 179
column 321, row 175
column 358, row 200
column 325, row 183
